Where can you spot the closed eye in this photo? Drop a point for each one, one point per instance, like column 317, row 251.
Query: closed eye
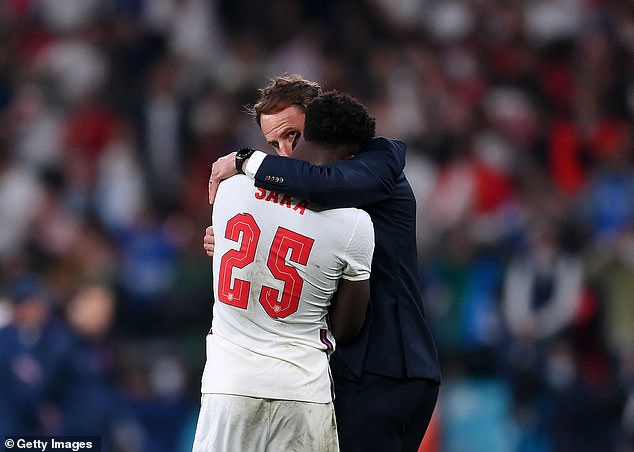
column 296, row 136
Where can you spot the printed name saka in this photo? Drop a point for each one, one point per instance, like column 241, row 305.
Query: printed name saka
column 282, row 200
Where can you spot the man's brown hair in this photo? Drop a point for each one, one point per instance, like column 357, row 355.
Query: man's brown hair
column 282, row 92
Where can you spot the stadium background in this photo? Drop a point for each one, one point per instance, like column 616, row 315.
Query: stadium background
column 518, row 119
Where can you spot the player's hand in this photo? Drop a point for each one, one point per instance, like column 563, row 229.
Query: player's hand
column 209, row 242
column 222, row 168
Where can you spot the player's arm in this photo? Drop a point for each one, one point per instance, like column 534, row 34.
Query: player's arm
column 348, row 309
column 366, row 178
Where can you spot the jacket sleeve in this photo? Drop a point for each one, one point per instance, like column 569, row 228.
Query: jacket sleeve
column 366, row 178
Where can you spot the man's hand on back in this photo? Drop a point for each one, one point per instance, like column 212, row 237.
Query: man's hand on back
column 222, row 168
column 209, row 242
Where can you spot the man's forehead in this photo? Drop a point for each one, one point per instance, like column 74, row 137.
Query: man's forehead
column 289, row 118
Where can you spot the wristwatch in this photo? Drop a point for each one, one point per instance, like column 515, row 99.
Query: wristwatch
column 241, row 155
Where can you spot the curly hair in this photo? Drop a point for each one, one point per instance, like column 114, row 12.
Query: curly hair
column 336, row 119
column 282, row 92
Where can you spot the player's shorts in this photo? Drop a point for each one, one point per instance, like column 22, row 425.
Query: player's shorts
column 229, row 423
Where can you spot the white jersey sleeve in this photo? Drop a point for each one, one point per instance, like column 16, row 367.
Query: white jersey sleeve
column 360, row 249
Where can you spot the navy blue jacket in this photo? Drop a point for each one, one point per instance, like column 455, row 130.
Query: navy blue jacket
column 395, row 340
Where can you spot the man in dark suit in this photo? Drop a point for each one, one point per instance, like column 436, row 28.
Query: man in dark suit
column 386, row 382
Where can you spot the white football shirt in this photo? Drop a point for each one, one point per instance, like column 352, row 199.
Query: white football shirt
column 276, row 266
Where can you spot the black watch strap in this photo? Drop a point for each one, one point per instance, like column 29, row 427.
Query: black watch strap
column 241, row 155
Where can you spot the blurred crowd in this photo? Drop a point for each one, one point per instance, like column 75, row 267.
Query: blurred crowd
column 518, row 116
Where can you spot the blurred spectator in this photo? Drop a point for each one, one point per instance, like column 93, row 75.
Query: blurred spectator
column 543, row 288
column 56, row 226
column 581, row 412
column 20, row 197
column 30, row 352
column 163, row 131
column 154, row 387
column 463, row 288
column 609, row 201
column 72, row 64
column 120, row 190
column 38, row 126
column 148, row 258
column 87, row 403
column 611, row 270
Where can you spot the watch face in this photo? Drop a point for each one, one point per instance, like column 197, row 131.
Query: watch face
column 245, row 152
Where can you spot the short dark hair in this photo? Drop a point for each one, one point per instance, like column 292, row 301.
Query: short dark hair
column 336, row 119
column 282, row 92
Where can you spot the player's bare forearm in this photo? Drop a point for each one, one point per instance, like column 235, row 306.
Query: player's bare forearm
column 349, row 308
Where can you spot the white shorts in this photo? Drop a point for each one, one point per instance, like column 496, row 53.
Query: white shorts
column 230, row 423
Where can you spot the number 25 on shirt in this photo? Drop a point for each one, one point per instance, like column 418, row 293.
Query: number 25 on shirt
column 300, row 247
